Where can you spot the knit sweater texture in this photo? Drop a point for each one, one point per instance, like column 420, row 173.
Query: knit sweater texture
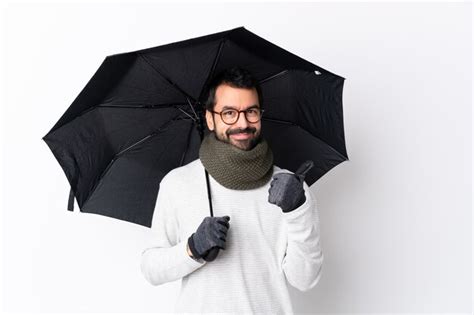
column 266, row 249
column 235, row 168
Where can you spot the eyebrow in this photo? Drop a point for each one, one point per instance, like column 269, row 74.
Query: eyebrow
column 230, row 107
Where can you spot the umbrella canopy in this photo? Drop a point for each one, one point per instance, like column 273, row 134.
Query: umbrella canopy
column 141, row 115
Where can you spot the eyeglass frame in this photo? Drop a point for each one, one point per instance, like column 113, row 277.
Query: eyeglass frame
column 238, row 115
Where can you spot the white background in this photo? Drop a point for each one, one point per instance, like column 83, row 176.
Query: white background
column 395, row 219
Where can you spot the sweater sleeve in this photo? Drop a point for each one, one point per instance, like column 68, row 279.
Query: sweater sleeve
column 303, row 259
column 166, row 259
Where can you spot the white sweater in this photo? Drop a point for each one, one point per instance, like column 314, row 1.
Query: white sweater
column 265, row 247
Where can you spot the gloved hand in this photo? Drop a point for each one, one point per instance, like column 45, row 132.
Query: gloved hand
column 211, row 233
column 286, row 189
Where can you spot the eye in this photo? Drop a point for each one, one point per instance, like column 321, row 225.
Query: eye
column 228, row 113
column 252, row 111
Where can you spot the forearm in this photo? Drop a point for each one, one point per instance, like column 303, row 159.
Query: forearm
column 302, row 263
column 164, row 264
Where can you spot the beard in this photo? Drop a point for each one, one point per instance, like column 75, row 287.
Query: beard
column 245, row 144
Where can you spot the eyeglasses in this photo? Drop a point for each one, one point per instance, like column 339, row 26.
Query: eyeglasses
column 230, row 116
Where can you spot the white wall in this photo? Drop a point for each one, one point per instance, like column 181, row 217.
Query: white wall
column 396, row 219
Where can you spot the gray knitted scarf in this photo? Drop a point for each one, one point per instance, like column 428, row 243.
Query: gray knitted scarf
column 234, row 168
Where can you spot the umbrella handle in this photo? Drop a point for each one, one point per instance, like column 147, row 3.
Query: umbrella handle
column 215, row 250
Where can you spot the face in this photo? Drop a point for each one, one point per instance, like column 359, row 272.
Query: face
column 242, row 134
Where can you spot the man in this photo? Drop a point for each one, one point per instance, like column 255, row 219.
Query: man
column 266, row 230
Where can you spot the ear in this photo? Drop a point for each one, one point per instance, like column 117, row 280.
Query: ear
column 209, row 120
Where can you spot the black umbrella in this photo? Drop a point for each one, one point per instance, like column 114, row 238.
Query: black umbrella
column 141, row 115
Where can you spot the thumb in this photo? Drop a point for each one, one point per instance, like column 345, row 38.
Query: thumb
column 303, row 169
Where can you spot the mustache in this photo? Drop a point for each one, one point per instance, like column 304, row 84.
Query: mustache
column 246, row 130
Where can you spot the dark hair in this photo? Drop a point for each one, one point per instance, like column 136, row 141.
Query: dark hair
column 236, row 77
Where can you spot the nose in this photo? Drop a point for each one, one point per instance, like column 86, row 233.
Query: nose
column 241, row 121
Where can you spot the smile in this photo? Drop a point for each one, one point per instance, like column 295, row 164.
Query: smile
column 241, row 136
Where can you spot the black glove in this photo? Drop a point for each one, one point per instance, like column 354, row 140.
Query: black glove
column 286, row 189
column 211, row 233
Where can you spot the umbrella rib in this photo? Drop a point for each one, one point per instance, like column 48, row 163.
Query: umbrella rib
column 192, row 108
column 214, row 64
column 174, row 105
column 154, row 133
column 164, row 77
column 273, row 76
column 163, row 105
column 216, row 59
column 194, row 119
column 281, row 121
column 127, row 149
column 296, row 125
column 127, row 106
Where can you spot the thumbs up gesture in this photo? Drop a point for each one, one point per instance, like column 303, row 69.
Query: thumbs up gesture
column 286, row 189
